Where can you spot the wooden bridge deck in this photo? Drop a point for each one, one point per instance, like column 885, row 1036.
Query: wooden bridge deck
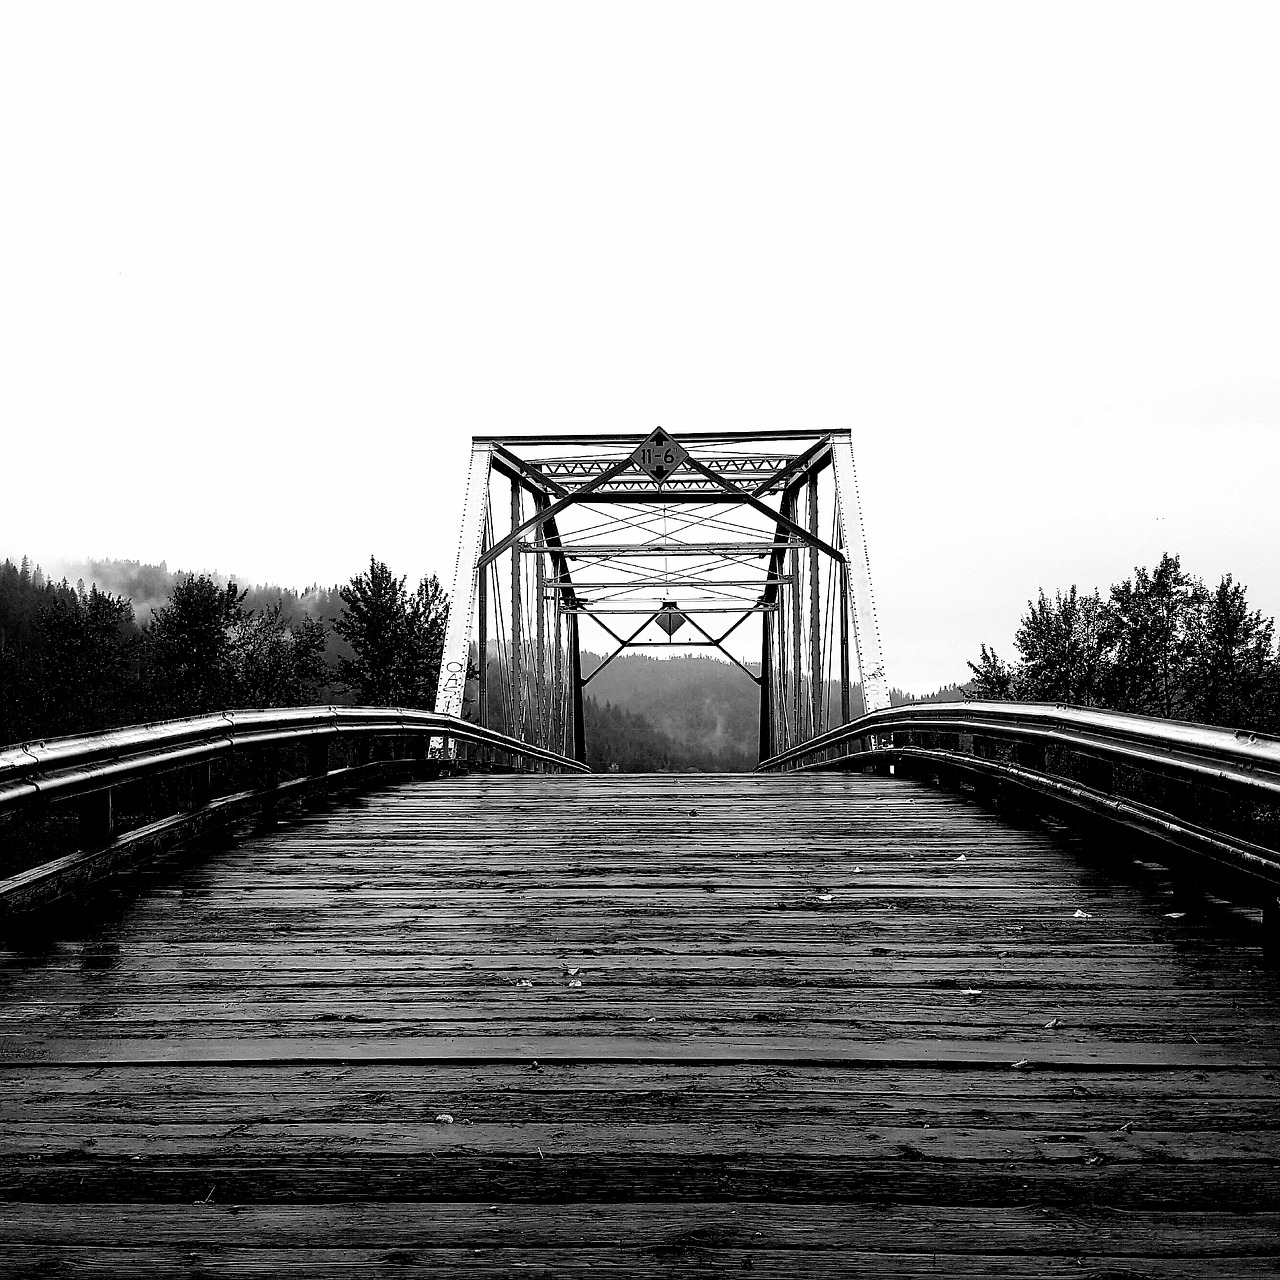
column 637, row 1026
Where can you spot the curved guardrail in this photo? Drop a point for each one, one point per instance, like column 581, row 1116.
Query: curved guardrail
column 1210, row 792
column 87, row 771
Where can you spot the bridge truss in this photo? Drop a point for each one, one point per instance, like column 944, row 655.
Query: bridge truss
column 747, row 545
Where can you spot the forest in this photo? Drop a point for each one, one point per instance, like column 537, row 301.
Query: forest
column 76, row 659
column 1160, row 643
column 141, row 643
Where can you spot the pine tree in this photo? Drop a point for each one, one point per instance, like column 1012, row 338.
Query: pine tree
column 1230, row 676
column 375, row 624
column 1151, row 623
column 1063, row 647
column 189, row 648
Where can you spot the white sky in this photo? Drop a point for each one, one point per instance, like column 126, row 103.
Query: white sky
column 264, row 269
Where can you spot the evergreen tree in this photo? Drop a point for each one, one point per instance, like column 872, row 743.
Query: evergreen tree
column 190, row 656
column 83, row 676
column 1231, row 670
column 1161, row 644
column 396, row 638
column 1063, row 647
column 1152, row 622
column 429, row 620
column 994, row 680
column 275, row 663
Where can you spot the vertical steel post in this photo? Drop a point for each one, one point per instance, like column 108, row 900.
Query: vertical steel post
column 540, row 733
column 846, row 707
column 815, row 619
column 797, row 701
column 482, row 642
column 866, row 630
column 457, row 643
column 575, row 681
column 557, row 676
column 516, row 728
column 766, row 686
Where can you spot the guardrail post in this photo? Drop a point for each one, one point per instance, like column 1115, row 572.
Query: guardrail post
column 97, row 818
column 317, row 757
column 269, row 780
column 1271, row 931
column 202, row 785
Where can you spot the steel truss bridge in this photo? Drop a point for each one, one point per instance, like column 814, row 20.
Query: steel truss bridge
column 742, row 544
column 979, row 989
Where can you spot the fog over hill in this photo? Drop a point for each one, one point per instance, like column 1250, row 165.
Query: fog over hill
column 150, row 586
column 682, row 712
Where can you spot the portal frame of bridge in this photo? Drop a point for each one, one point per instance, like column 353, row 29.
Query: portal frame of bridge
column 536, row 505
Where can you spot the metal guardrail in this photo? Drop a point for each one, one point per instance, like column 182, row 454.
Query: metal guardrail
column 1210, row 792
column 88, row 770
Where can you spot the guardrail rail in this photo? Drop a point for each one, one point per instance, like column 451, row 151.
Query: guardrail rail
column 205, row 772
column 1208, row 795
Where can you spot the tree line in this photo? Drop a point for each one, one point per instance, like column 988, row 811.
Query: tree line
column 1161, row 643
column 75, row 659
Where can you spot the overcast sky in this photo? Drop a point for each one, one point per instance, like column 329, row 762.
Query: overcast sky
column 265, row 268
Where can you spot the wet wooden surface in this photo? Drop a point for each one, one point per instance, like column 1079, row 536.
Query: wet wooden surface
column 639, row 1026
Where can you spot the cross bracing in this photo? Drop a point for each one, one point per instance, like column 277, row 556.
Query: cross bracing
column 748, row 544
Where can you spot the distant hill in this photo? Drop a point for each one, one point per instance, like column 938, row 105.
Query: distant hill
column 699, row 710
column 150, row 586
column 704, row 705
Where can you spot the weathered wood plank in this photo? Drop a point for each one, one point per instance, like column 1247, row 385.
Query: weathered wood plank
column 679, row 1258
column 653, row 1228
column 504, row 1046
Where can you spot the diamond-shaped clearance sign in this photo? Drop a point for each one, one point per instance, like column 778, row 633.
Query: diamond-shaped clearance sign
column 659, row 456
column 670, row 619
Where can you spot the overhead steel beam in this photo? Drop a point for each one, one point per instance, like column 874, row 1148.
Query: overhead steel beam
column 554, row 510
column 703, row 437
column 637, row 583
column 591, row 611
column 665, row 497
column 587, row 550
column 790, row 526
column 506, row 462
column 811, row 461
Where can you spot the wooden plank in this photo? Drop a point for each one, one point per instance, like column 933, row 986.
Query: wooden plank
column 503, row 1047
column 642, row 1264
column 424, row 1137
column 653, row 1228
column 238, row 1177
